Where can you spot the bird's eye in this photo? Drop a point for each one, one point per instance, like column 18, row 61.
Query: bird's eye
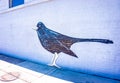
column 39, row 25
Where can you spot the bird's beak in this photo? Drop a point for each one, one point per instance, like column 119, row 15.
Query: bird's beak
column 34, row 29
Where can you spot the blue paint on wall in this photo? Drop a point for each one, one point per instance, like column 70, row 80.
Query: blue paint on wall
column 17, row 2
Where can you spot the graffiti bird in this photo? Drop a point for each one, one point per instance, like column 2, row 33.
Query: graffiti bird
column 56, row 43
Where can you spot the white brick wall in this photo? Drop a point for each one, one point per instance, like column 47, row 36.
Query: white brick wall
column 27, row 1
column 4, row 4
column 81, row 19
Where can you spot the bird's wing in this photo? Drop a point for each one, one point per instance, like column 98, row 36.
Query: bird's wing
column 62, row 42
column 63, row 39
column 66, row 49
column 66, row 41
column 71, row 53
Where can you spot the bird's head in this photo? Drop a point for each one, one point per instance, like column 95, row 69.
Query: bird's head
column 40, row 25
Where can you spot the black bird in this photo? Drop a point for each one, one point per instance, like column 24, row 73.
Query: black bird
column 56, row 42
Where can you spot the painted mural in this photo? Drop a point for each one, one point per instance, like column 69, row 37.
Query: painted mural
column 56, row 42
column 68, row 25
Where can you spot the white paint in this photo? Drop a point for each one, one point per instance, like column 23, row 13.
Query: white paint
column 4, row 4
column 26, row 1
column 82, row 19
column 32, row 1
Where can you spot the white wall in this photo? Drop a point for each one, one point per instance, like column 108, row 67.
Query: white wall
column 81, row 19
column 4, row 4
column 26, row 1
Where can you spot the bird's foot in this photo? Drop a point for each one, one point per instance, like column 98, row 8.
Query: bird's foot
column 55, row 65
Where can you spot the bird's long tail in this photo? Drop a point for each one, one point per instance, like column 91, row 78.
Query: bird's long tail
column 105, row 41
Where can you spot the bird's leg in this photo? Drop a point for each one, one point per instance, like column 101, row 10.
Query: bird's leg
column 53, row 62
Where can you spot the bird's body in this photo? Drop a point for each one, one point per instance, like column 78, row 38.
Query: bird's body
column 56, row 42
